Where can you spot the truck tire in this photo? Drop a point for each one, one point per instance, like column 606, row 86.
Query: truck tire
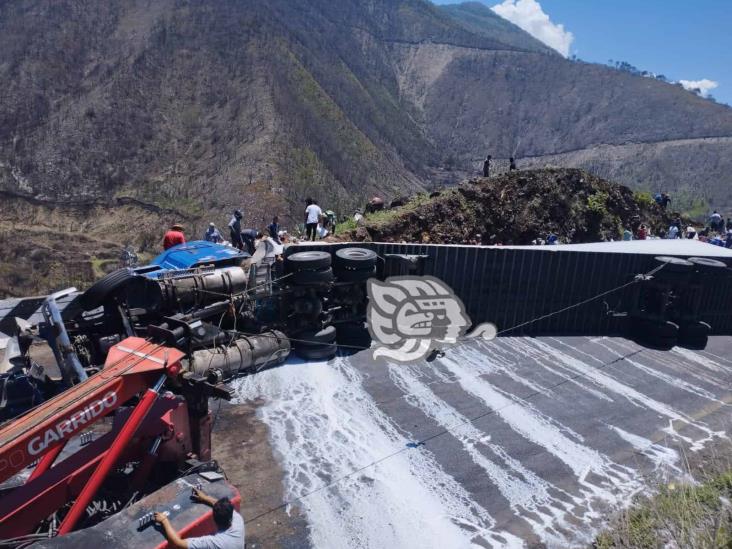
column 355, row 258
column 355, row 275
column 98, row 293
column 319, row 352
column 313, row 339
column 308, row 278
column 694, row 335
column 657, row 334
column 674, row 264
column 708, row 266
column 313, row 260
column 353, row 337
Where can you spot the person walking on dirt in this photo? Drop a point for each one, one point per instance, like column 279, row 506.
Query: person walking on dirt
column 235, row 230
column 487, row 166
column 174, row 236
column 512, row 164
column 212, row 234
column 312, row 218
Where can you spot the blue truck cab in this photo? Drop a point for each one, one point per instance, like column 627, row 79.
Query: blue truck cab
column 192, row 255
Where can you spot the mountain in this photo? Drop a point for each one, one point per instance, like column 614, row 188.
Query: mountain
column 163, row 110
column 479, row 19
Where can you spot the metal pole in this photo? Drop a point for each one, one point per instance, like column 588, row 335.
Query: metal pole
column 59, row 341
column 111, row 457
column 46, row 462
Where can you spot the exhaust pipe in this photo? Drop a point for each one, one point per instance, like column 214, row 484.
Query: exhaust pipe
column 245, row 355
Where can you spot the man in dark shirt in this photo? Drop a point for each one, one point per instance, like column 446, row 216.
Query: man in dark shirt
column 235, row 230
column 173, row 237
column 249, row 237
column 274, row 229
column 487, row 166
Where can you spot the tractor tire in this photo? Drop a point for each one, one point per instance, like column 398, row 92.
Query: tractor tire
column 320, row 352
column 98, row 293
column 355, row 258
column 304, row 261
column 313, row 278
column 355, row 275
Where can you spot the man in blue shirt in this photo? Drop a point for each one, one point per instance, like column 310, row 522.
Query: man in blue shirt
column 212, row 234
column 274, row 229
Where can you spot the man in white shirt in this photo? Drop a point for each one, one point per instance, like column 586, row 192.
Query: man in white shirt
column 312, row 218
column 229, row 525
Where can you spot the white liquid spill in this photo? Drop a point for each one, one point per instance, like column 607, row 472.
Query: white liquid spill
column 324, row 425
column 633, row 396
column 663, row 458
column 536, row 501
column 537, row 356
column 701, row 360
column 611, row 482
column 653, row 372
column 676, row 363
column 502, row 361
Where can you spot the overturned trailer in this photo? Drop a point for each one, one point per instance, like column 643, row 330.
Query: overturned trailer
column 185, row 324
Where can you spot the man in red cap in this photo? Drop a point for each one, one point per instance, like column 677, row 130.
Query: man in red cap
column 174, row 236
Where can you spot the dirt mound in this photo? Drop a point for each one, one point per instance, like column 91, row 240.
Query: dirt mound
column 518, row 208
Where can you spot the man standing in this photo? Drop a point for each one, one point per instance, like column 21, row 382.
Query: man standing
column 212, row 234
column 487, row 166
column 274, row 229
column 512, row 164
column 312, row 217
column 715, row 221
column 174, row 236
column 229, row 526
column 235, row 230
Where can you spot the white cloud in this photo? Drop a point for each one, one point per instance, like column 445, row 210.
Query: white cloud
column 528, row 15
column 701, row 87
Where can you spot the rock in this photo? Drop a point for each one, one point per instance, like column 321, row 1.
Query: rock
column 362, row 235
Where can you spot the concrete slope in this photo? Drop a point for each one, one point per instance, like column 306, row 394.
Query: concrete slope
column 562, row 431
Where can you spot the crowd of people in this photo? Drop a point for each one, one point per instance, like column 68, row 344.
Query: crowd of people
column 317, row 224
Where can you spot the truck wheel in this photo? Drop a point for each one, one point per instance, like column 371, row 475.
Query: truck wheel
column 674, row 264
column 307, row 278
column 355, row 258
column 353, row 337
column 320, row 352
column 301, row 261
column 98, row 293
column 657, row 334
column 707, row 266
column 310, row 339
column 694, row 335
column 355, row 275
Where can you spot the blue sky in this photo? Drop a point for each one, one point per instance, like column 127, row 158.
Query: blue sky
column 681, row 39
